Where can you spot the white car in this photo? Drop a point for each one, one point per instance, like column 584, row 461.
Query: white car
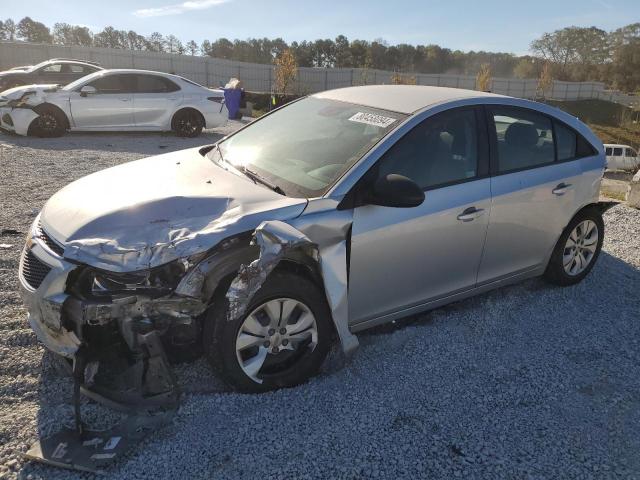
column 114, row 100
column 621, row 157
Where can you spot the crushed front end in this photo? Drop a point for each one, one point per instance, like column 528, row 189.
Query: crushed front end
column 113, row 330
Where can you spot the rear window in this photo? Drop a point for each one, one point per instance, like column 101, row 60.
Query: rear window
column 154, row 84
column 566, row 142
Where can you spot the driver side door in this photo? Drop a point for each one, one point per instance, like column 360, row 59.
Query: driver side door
column 407, row 257
column 110, row 107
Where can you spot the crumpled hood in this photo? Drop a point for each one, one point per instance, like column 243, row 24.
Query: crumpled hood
column 38, row 91
column 146, row 213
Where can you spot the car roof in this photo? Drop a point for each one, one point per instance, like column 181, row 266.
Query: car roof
column 401, row 98
column 616, row 145
column 138, row 71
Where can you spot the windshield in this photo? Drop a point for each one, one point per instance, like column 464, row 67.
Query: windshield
column 82, row 80
column 306, row 146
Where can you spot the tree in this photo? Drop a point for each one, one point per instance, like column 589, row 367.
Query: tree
column 32, row 31
column 173, row 44
column 135, row 41
column 206, row 47
column 65, row 34
column 399, row 79
column 8, row 30
column 626, row 66
column 343, row 57
column 545, row 82
column 286, row 71
column 221, row 48
column 109, row 37
column 157, row 42
column 192, row 47
column 525, row 68
column 483, row 79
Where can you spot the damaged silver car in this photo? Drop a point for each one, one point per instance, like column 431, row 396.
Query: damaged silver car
column 333, row 214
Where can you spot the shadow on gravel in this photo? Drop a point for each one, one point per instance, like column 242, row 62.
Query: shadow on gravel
column 529, row 378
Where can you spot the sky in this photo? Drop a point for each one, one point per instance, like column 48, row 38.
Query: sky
column 492, row 25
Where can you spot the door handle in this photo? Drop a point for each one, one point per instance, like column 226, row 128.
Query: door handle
column 470, row 213
column 561, row 189
column 125, row 99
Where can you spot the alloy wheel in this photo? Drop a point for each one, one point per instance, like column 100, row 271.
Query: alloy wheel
column 580, row 248
column 274, row 336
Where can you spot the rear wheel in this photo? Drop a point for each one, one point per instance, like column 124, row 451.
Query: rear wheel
column 281, row 341
column 577, row 249
column 188, row 123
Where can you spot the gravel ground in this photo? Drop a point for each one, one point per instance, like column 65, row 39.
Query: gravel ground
column 529, row 381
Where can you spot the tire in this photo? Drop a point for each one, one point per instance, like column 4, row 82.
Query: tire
column 280, row 370
column 49, row 124
column 188, row 123
column 556, row 271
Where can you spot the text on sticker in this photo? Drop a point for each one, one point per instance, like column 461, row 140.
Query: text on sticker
column 372, row 119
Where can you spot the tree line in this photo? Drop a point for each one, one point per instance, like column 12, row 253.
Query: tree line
column 572, row 53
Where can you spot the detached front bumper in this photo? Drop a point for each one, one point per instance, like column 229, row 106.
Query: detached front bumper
column 17, row 120
column 118, row 340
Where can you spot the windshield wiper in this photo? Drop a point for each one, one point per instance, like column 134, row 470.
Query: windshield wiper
column 257, row 178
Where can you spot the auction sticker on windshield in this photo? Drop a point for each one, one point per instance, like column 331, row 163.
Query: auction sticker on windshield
column 372, row 119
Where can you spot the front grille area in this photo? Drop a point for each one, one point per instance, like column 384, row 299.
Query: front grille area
column 33, row 270
column 50, row 242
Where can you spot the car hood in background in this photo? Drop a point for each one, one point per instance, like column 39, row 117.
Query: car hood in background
column 146, row 213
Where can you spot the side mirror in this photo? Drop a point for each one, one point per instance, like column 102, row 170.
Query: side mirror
column 87, row 90
column 395, row 190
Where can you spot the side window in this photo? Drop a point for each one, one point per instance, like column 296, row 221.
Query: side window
column 566, row 141
column 525, row 138
column 608, row 151
column 630, row 153
column 443, row 149
column 111, row 84
column 154, row 84
column 53, row 68
column 617, row 152
column 77, row 68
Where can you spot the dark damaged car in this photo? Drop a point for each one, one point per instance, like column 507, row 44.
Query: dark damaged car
column 59, row 71
column 336, row 213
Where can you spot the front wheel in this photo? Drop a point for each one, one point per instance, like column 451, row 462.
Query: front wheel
column 49, row 124
column 281, row 341
column 577, row 249
column 188, row 123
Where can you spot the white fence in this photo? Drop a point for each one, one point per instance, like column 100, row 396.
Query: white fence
column 259, row 77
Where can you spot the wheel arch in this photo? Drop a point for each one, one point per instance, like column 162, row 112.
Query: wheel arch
column 41, row 108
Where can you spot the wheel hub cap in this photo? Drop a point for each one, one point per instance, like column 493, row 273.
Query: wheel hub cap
column 580, row 248
column 278, row 328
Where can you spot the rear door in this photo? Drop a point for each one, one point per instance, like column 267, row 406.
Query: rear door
column 154, row 100
column 405, row 257
column 533, row 196
column 74, row 71
column 111, row 106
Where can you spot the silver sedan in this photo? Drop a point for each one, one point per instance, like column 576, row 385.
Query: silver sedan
column 333, row 214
